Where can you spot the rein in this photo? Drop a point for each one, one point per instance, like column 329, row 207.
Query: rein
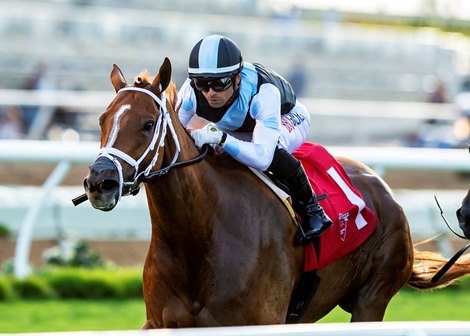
column 163, row 123
column 162, row 171
column 449, row 264
column 452, row 260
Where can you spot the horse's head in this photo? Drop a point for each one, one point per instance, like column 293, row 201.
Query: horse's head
column 133, row 131
column 463, row 215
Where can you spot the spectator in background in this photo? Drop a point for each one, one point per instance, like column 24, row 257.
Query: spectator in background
column 298, row 77
column 41, row 79
column 433, row 131
column 11, row 124
column 439, row 94
column 462, row 100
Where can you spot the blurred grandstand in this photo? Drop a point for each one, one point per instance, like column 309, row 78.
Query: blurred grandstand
column 75, row 43
column 366, row 83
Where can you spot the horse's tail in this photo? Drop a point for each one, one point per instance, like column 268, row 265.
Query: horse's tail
column 427, row 264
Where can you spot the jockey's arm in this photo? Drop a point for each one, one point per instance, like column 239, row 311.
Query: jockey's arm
column 186, row 99
column 258, row 153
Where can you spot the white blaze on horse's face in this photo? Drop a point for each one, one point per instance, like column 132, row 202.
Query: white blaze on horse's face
column 116, row 123
column 129, row 184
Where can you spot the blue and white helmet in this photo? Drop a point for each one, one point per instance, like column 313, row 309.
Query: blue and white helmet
column 215, row 56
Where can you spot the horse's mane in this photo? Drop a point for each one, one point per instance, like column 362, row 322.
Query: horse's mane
column 144, row 80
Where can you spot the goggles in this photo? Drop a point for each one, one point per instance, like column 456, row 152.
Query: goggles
column 216, row 84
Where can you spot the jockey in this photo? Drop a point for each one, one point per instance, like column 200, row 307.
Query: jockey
column 254, row 116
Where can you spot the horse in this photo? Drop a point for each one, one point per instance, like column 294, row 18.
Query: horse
column 221, row 251
column 463, row 216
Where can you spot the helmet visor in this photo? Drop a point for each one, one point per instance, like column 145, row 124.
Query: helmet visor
column 216, row 84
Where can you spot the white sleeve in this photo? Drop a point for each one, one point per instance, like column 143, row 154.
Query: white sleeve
column 187, row 103
column 266, row 110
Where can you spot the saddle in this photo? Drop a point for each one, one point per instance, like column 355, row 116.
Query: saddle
column 353, row 221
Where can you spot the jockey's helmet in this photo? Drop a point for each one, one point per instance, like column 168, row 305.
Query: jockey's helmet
column 215, row 56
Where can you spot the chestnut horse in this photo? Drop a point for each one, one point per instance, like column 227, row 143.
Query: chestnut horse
column 221, row 251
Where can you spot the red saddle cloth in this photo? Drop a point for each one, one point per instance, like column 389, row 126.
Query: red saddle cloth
column 352, row 220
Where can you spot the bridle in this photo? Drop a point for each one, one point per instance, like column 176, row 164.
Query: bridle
column 162, row 126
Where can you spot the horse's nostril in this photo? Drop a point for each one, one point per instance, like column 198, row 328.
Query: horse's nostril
column 108, row 185
column 87, row 186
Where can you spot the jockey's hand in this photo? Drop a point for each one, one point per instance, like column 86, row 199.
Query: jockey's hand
column 209, row 134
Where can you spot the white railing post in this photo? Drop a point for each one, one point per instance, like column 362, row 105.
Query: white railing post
column 23, row 244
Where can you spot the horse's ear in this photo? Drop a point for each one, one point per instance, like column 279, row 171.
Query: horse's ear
column 117, row 78
column 162, row 80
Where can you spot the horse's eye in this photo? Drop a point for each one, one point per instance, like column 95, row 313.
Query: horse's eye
column 148, row 126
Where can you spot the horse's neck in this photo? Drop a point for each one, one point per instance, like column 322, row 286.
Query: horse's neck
column 177, row 193
column 181, row 183
column 179, row 204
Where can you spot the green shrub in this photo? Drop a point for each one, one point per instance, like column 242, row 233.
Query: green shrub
column 7, row 268
column 93, row 284
column 73, row 254
column 131, row 283
column 67, row 283
column 33, row 287
column 5, row 232
column 6, row 290
column 101, row 286
column 80, row 283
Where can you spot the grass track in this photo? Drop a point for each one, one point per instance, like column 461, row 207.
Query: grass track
column 76, row 315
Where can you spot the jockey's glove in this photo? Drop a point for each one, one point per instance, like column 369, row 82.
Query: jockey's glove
column 209, row 134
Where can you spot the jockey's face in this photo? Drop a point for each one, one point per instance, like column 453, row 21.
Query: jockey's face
column 217, row 99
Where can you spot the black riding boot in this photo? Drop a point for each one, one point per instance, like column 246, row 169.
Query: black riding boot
column 289, row 171
column 314, row 219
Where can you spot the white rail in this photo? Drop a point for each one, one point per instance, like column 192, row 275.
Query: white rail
column 430, row 328
column 65, row 154
column 333, row 121
column 382, row 157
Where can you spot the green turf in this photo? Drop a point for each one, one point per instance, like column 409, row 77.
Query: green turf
column 75, row 315
column 408, row 305
column 71, row 315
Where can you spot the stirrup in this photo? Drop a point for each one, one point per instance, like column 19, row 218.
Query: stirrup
column 300, row 237
column 303, row 237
